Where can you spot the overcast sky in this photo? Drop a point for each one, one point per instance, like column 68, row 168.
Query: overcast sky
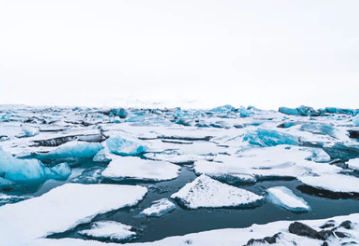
column 254, row 52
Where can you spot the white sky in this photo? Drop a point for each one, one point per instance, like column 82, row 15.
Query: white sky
column 254, row 52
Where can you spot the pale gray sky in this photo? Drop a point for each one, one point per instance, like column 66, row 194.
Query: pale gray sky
column 254, row 52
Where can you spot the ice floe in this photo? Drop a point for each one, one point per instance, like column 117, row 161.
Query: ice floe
column 109, row 230
column 134, row 168
column 205, row 192
column 334, row 182
column 61, row 209
column 284, row 197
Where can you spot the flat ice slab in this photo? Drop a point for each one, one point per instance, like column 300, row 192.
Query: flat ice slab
column 205, row 192
column 335, row 183
column 134, row 168
column 109, row 230
column 61, row 209
column 284, row 197
column 159, row 208
column 354, row 164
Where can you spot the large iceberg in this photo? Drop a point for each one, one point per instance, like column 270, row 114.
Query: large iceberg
column 205, row 192
column 109, row 230
column 61, row 209
column 284, row 197
column 134, row 168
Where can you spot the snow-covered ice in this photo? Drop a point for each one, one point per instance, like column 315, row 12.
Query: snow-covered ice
column 333, row 182
column 134, row 168
column 284, row 197
column 205, row 192
column 159, row 208
column 61, row 209
column 109, row 230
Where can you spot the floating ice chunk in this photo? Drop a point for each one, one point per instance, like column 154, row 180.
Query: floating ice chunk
column 301, row 111
column 103, row 155
column 205, row 192
column 334, row 182
column 318, row 155
column 60, row 172
column 267, row 137
column 243, row 112
column 61, row 209
column 284, row 197
column 175, row 158
column 134, row 168
column 288, row 111
column 72, row 151
column 30, row 131
column 356, row 120
column 8, row 199
column 89, row 176
column 126, row 146
column 109, row 230
column 159, row 208
column 354, row 164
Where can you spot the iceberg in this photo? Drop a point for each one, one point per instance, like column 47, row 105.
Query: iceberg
column 267, row 137
column 72, row 152
column 301, row 111
column 284, row 197
column 62, row 209
column 356, row 120
column 159, row 208
column 205, row 192
column 25, row 170
column 223, row 109
column 30, row 131
column 109, row 230
column 126, row 146
column 134, row 168
column 333, row 182
column 89, row 176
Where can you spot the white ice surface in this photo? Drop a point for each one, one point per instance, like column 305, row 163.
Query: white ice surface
column 61, row 209
column 205, row 192
column 139, row 169
column 109, row 230
column 284, row 197
column 354, row 164
column 159, row 208
column 334, row 182
column 233, row 237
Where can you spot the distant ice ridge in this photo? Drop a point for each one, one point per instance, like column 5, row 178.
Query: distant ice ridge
column 159, row 208
column 284, row 197
column 61, row 209
column 205, row 192
column 134, row 168
column 109, row 230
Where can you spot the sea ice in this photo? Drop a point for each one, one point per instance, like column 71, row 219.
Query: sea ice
column 61, row 209
column 284, row 197
column 159, row 208
column 109, row 230
column 30, row 131
column 205, row 192
column 356, row 120
column 134, row 168
column 354, row 164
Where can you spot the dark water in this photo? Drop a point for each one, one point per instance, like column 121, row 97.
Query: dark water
column 183, row 221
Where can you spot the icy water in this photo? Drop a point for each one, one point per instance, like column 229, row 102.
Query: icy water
column 183, row 221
